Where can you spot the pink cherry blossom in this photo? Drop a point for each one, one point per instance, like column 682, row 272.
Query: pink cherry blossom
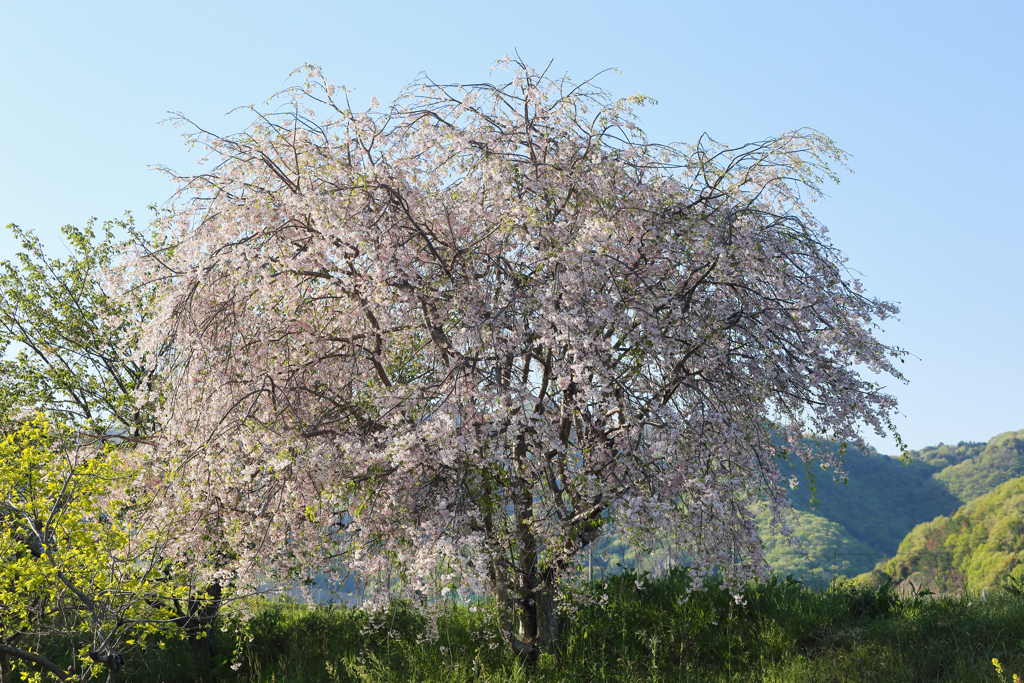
column 448, row 342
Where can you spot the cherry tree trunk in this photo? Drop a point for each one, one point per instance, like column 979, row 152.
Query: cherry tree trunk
column 538, row 622
column 538, row 615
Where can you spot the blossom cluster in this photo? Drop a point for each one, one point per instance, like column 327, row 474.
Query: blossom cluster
column 445, row 343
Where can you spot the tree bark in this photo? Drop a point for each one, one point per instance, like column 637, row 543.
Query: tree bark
column 538, row 615
column 546, row 632
column 197, row 618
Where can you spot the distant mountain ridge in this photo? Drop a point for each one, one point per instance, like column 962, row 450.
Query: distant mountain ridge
column 1001, row 460
column 881, row 501
column 945, row 455
column 853, row 528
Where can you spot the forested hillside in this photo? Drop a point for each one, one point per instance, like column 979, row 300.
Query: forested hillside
column 884, row 500
column 1001, row 460
column 945, row 455
column 827, row 549
column 974, row 548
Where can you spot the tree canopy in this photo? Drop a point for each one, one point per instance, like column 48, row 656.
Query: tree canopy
column 449, row 340
column 81, row 578
column 67, row 342
column 83, row 567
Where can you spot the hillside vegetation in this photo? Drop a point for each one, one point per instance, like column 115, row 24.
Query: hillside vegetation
column 945, row 455
column 881, row 501
column 884, row 500
column 977, row 547
column 827, row 550
column 1000, row 461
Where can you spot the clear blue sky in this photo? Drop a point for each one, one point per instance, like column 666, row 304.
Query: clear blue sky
column 926, row 96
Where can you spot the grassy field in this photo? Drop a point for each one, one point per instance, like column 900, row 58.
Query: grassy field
column 784, row 632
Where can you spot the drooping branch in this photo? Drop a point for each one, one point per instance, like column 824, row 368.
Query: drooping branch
column 491, row 324
column 35, row 659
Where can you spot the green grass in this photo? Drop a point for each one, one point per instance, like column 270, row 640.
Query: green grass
column 783, row 632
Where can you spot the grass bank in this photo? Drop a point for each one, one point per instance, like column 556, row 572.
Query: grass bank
column 783, row 632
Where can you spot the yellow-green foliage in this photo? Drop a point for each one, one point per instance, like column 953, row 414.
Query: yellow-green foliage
column 74, row 576
column 976, row 547
column 826, row 550
column 1001, row 460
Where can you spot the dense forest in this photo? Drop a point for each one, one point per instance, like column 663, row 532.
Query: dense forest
column 827, row 549
column 1000, row 461
column 977, row 547
column 846, row 528
column 881, row 500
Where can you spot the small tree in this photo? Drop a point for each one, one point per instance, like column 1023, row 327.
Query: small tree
column 66, row 343
column 79, row 580
column 452, row 340
column 67, row 351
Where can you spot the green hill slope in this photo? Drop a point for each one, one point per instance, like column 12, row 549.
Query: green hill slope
column 974, row 548
column 945, row 455
column 1001, row 460
column 830, row 549
column 882, row 500
column 855, row 524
